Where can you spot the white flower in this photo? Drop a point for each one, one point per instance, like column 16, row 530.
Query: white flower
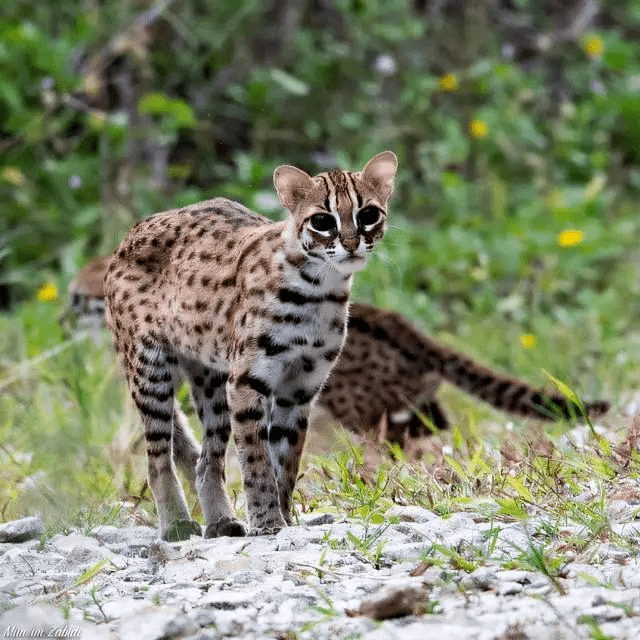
column 385, row 64
column 508, row 50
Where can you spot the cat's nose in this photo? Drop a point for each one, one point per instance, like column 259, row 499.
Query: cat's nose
column 351, row 244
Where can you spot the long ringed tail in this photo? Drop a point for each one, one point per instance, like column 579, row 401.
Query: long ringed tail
column 506, row 393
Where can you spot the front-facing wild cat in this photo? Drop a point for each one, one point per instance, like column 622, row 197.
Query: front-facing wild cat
column 254, row 314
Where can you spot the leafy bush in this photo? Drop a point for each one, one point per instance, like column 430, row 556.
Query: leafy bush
column 514, row 225
column 511, row 134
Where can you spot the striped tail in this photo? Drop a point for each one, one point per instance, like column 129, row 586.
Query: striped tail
column 506, row 393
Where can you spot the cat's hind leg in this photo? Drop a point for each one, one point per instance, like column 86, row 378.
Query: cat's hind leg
column 152, row 379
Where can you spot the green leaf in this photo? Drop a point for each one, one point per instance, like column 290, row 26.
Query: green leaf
column 476, row 462
column 458, row 440
column 511, row 507
column 156, row 103
column 565, row 390
column 153, row 103
column 520, row 488
column 289, row 83
column 91, row 572
column 456, row 467
column 183, row 113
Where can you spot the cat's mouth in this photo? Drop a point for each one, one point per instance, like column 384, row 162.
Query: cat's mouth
column 351, row 263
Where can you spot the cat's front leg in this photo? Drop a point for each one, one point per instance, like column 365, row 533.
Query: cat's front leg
column 248, row 397
column 287, row 433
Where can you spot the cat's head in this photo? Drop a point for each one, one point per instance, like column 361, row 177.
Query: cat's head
column 337, row 217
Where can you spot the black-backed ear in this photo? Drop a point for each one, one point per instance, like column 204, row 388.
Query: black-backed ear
column 292, row 185
column 379, row 173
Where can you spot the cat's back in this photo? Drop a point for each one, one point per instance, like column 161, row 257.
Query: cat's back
column 201, row 235
column 177, row 234
column 179, row 265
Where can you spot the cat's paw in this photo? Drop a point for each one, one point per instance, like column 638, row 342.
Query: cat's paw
column 182, row 530
column 266, row 531
column 225, row 526
column 268, row 528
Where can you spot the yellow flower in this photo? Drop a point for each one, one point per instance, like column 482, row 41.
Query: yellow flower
column 478, row 129
column 593, row 46
column 48, row 292
column 528, row 340
column 569, row 238
column 13, row 176
column 448, row 82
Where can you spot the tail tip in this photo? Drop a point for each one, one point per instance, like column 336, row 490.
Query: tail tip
column 597, row 408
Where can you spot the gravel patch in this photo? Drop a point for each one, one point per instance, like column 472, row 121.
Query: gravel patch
column 312, row 581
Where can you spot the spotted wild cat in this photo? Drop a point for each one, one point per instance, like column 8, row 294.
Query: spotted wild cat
column 254, row 314
column 387, row 369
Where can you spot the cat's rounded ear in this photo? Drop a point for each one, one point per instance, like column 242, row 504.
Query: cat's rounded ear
column 379, row 173
column 292, row 185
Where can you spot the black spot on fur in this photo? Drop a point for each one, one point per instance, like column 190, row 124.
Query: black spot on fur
column 270, row 347
column 277, row 433
column 249, row 414
column 256, row 384
column 302, row 396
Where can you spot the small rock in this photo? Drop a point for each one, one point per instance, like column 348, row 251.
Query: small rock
column 514, row 632
column 123, row 608
column 21, row 530
column 237, row 624
column 31, row 617
column 393, row 603
column 411, row 514
column 509, row 588
column 107, row 534
column 160, row 552
column 230, row 600
column 246, row 577
column 511, row 539
column 403, row 552
column 516, row 575
column 155, row 624
column 325, row 518
column 73, row 543
column 482, row 578
column 605, row 613
column 223, row 567
column 205, row 634
column 130, row 541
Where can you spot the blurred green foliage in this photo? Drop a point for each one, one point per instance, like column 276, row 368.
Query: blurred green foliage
column 511, row 123
column 517, row 127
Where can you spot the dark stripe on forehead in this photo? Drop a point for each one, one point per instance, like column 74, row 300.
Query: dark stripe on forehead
column 327, row 206
column 355, row 189
column 341, row 185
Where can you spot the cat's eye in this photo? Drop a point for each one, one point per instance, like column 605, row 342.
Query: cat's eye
column 322, row 222
column 368, row 216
